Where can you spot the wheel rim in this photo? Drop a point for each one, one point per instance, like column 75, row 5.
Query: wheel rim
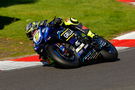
column 67, row 54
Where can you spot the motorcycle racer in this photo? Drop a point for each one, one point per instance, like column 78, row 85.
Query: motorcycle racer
column 74, row 24
column 56, row 24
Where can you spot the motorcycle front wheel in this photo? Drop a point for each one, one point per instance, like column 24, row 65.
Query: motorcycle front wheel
column 64, row 59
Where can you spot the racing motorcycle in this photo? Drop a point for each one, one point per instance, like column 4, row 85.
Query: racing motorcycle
column 69, row 48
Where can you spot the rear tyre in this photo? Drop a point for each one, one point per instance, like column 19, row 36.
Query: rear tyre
column 109, row 52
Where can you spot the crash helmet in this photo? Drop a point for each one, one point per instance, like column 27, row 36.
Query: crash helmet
column 70, row 21
column 30, row 29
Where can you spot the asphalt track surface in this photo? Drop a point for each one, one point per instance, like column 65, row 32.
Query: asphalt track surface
column 119, row 75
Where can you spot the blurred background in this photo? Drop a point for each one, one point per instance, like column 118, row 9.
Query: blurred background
column 107, row 18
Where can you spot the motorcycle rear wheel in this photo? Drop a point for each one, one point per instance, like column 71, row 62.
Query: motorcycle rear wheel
column 109, row 52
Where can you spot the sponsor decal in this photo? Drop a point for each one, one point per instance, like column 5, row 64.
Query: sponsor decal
column 37, row 37
column 80, row 47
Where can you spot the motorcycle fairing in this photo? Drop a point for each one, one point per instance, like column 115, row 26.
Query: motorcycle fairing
column 70, row 36
column 46, row 34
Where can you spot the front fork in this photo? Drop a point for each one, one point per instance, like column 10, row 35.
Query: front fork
column 61, row 47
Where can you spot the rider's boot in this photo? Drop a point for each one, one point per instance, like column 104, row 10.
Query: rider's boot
column 46, row 61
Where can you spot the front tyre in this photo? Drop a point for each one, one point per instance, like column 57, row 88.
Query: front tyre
column 66, row 59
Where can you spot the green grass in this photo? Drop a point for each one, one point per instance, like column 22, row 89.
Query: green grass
column 107, row 18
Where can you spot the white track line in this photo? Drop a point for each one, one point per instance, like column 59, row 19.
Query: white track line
column 130, row 35
column 121, row 48
column 9, row 65
column 133, row 3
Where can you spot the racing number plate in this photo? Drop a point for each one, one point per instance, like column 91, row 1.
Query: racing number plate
column 67, row 34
